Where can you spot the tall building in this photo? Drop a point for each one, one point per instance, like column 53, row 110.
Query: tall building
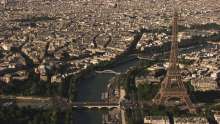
column 3, row 2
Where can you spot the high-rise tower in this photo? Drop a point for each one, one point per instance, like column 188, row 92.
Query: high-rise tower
column 172, row 86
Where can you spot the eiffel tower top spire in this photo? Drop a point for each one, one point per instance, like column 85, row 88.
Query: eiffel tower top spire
column 173, row 60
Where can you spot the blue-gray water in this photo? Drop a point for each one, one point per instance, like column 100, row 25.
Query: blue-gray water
column 90, row 89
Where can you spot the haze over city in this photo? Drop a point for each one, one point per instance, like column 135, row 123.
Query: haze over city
column 109, row 61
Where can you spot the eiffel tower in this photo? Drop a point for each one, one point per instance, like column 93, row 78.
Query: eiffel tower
column 172, row 86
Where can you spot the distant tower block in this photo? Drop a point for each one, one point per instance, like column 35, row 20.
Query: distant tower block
column 4, row 3
column 172, row 86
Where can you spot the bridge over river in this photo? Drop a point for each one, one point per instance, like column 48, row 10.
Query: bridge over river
column 95, row 105
column 101, row 105
column 109, row 72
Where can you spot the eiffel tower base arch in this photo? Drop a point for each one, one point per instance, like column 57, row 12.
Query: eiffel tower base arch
column 162, row 99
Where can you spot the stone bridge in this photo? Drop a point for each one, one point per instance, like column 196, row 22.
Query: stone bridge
column 98, row 105
column 109, row 72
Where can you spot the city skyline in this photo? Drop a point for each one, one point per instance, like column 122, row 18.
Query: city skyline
column 109, row 61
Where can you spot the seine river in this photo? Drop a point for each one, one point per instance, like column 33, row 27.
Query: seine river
column 90, row 89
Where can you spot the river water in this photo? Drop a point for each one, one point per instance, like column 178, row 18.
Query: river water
column 90, row 89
